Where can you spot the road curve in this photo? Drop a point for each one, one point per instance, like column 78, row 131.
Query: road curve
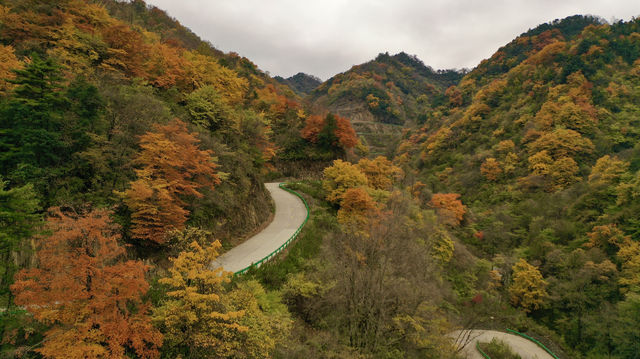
column 525, row 348
column 289, row 216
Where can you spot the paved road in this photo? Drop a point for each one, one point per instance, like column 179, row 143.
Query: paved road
column 526, row 348
column 290, row 213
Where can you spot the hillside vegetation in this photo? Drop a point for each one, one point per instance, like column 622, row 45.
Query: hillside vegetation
column 382, row 95
column 132, row 154
column 301, row 83
column 541, row 143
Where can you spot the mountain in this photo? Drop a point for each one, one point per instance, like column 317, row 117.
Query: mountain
column 541, row 142
column 301, row 83
column 531, row 41
column 132, row 153
column 382, row 95
column 131, row 149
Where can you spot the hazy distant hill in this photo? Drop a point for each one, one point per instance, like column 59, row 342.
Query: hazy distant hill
column 301, row 83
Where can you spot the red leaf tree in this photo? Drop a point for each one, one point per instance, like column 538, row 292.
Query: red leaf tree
column 449, row 207
column 172, row 167
column 85, row 290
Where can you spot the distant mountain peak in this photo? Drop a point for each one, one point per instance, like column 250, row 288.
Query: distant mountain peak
column 301, row 83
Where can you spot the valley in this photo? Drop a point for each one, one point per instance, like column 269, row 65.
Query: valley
column 135, row 157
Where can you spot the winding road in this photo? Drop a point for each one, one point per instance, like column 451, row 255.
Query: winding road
column 525, row 348
column 289, row 216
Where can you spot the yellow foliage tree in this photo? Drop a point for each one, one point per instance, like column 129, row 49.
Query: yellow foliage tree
column 563, row 173
column 205, row 318
column 267, row 318
column 529, row 289
column 540, row 163
column 629, row 255
column 340, row 177
column 608, row 170
column 505, row 146
column 8, row 62
column 562, row 143
column 203, row 71
column 607, row 237
column 380, row 172
column 443, row 247
column 195, row 314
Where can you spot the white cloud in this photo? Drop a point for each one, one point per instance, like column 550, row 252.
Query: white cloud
column 326, row 37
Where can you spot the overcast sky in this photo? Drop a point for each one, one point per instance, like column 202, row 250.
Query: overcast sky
column 327, row 37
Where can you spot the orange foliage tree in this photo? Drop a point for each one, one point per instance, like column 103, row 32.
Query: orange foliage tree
column 172, row 167
column 356, row 207
column 313, row 126
column 331, row 131
column 346, row 134
column 449, row 207
column 491, row 169
column 165, row 66
column 85, row 291
column 127, row 51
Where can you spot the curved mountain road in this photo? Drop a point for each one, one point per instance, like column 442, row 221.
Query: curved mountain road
column 525, row 348
column 289, row 216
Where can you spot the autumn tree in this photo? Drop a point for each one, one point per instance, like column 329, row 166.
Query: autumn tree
column 341, row 176
column 332, row 132
column 346, row 135
column 376, row 306
column 313, row 126
column 194, row 313
column 629, row 256
column 608, row 170
column 562, row 143
column 380, row 172
column 172, row 168
column 127, row 51
column 563, row 173
column 558, row 174
column 85, row 290
column 442, row 248
column 202, row 316
column 165, row 65
column 202, row 71
column 606, row 237
column 491, row 169
column 449, row 207
column 356, row 207
column 528, row 289
column 210, row 110
column 454, row 95
column 8, row 62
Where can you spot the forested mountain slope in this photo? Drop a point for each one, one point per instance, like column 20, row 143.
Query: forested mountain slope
column 541, row 141
column 300, row 82
column 125, row 140
column 382, row 95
